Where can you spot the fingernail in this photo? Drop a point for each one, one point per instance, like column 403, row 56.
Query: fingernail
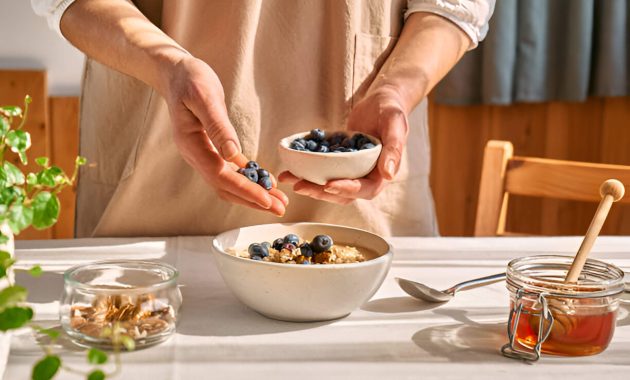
column 331, row 190
column 390, row 168
column 229, row 150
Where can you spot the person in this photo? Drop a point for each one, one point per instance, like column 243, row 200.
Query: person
column 178, row 94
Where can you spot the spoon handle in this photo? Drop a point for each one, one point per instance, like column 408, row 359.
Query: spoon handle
column 476, row 282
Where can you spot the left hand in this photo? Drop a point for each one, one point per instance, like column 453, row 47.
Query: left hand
column 380, row 113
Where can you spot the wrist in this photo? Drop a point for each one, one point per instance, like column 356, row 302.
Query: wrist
column 165, row 63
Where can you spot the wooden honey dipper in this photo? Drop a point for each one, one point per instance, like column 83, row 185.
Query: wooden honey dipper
column 611, row 191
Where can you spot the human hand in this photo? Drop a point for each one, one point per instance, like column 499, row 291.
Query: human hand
column 206, row 138
column 380, row 113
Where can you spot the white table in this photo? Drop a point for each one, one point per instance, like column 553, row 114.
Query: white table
column 392, row 336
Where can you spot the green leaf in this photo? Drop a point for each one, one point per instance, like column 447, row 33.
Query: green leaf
column 128, row 342
column 51, row 176
column 9, row 195
column 15, row 317
column 80, row 160
column 97, row 374
column 35, row 271
column 3, row 238
column 4, row 126
column 45, row 210
column 19, row 141
column 52, row 333
column 31, row 179
column 20, row 217
column 13, row 174
column 46, row 368
column 11, row 110
column 96, row 356
column 23, row 157
column 11, row 296
column 5, row 262
column 42, row 161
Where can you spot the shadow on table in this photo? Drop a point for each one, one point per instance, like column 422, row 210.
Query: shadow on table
column 217, row 313
column 44, row 289
column 394, row 305
column 466, row 341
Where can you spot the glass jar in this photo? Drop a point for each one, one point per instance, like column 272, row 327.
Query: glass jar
column 104, row 301
column 550, row 316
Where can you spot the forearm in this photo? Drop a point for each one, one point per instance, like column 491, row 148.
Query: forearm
column 427, row 49
column 117, row 34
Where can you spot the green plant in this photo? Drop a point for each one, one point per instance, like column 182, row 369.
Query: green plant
column 31, row 200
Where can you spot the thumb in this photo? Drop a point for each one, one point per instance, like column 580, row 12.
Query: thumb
column 394, row 129
column 213, row 116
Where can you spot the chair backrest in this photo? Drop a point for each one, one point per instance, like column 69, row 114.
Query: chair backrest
column 503, row 174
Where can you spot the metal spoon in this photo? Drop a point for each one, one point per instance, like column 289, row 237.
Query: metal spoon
column 423, row 292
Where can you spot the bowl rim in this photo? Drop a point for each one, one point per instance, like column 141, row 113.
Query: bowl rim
column 284, row 144
column 385, row 257
column 124, row 263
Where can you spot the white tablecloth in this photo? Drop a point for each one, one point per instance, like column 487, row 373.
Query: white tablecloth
column 392, row 336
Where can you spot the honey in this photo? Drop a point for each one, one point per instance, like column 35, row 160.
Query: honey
column 549, row 316
column 571, row 334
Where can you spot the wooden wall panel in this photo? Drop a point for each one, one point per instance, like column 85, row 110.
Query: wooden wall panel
column 64, row 126
column 14, row 85
column 597, row 131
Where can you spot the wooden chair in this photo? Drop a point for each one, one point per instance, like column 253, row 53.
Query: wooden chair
column 503, row 174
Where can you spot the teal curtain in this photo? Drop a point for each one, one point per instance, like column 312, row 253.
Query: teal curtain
column 542, row 50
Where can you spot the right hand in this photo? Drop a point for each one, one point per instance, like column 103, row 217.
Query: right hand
column 206, row 138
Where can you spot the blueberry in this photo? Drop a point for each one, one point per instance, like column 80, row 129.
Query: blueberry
column 311, row 145
column 241, row 171
column 306, row 262
column 322, row 149
column 336, row 138
column 265, row 182
column 296, row 145
column 368, row 146
column 251, row 174
column 347, row 143
column 292, row 239
column 262, row 173
column 324, row 143
column 316, row 135
column 321, row 243
column 306, row 250
column 266, row 244
column 252, row 165
column 259, row 250
column 277, row 244
column 301, row 140
column 289, row 246
column 256, row 258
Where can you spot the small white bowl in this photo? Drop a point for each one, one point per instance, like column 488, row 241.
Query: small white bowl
column 320, row 168
column 302, row 293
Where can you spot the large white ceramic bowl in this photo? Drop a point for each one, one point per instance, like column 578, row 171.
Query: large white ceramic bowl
column 302, row 293
column 320, row 168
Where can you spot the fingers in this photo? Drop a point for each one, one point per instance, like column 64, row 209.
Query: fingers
column 277, row 208
column 287, row 177
column 364, row 188
column 210, row 109
column 394, row 129
column 317, row 192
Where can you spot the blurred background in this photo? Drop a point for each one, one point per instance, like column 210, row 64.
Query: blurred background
column 552, row 77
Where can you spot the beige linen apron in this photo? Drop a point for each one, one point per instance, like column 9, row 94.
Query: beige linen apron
column 286, row 66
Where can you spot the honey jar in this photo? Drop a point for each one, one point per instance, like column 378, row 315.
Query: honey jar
column 549, row 316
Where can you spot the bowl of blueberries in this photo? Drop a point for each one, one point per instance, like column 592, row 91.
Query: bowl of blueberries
column 319, row 156
column 302, row 272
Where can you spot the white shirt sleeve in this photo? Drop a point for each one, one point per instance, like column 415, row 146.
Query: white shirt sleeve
column 52, row 10
column 471, row 16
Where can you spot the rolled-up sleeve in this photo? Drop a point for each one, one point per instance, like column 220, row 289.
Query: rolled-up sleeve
column 471, row 16
column 52, row 10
